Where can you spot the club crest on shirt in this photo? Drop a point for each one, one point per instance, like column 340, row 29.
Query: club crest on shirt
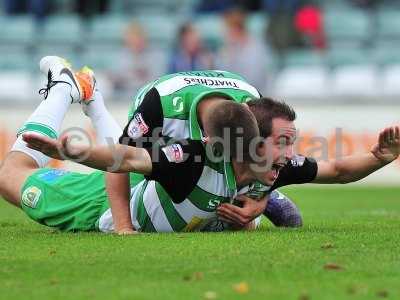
column 174, row 153
column 31, row 196
column 298, row 161
column 137, row 127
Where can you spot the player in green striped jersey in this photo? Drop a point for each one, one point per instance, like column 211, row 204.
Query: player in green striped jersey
column 174, row 106
column 71, row 201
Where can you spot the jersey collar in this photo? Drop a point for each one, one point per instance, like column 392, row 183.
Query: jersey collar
column 194, row 126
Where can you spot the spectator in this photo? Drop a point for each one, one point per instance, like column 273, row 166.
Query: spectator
column 309, row 22
column 281, row 32
column 212, row 6
column 366, row 4
column 138, row 64
column 190, row 53
column 87, row 8
column 242, row 53
column 274, row 7
column 38, row 8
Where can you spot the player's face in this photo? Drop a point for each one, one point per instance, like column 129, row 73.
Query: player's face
column 276, row 151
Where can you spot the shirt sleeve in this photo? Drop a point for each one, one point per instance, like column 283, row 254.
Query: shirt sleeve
column 299, row 170
column 145, row 126
column 177, row 166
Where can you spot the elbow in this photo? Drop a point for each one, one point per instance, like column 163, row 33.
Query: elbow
column 345, row 179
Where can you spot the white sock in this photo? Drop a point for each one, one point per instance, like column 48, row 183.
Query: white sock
column 46, row 120
column 107, row 129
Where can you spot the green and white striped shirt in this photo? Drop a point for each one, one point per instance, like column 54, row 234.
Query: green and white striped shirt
column 169, row 104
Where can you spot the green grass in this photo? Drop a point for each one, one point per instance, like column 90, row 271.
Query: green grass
column 356, row 229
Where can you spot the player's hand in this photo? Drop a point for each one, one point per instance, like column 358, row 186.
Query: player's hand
column 388, row 147
column 241, row 216
column 58, row 149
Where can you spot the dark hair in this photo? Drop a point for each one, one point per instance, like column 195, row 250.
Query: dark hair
column 236, row 120
column 183, row 30
column 266, row 109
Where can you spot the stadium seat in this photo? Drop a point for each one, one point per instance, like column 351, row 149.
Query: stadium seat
column 16, row 86
column 16, row 30
column 101, row 57
column 347, row 27
column 211, row 29
column 340, row 56
column 107, row 29
column 389, row 24
column 387, row 53
column 159, row 28
column 65, row 29
column 12, row 59
column 302, row 82
column 66, row 51
column 304, row 58
column 391, row 81
column 356, row 81
column 257, row 24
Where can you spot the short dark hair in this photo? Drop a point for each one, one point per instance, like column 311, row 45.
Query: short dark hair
column 236, row 119
column 267, row 109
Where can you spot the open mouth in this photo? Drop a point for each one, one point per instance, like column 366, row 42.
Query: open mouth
column 276, row 169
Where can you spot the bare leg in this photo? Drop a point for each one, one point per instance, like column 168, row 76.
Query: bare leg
column 22, row 161
column 14, row 171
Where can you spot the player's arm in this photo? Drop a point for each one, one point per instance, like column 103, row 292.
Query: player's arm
column 118, row 190
column 143, row 121
column 356, row 167
column 116, row 159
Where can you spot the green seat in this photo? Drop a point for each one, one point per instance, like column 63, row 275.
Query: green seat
column 16, row 30
column 64, row 29
column 107, row 29
column 348, row 26
column 257, row 24
column 348, row 56
column 15, row 60
column 304, row 58
column 211, row 28
column 384, row 55
column 389, row 24
column 160, row 29
column 68, row 52
column 101, row 58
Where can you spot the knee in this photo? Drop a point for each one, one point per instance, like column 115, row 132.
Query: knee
column 282, row 212
column 5, row 177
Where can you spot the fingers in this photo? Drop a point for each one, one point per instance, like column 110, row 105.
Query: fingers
column 391, row 135
column 64, row 141
column 381, row 140
column 397, row 133
column 231, row 214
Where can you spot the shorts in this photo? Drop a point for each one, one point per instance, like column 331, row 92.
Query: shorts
column 65, row 200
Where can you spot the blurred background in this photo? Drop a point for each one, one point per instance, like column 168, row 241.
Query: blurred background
column 336, row 61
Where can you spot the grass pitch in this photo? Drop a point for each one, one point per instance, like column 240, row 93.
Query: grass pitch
column 348, row 249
